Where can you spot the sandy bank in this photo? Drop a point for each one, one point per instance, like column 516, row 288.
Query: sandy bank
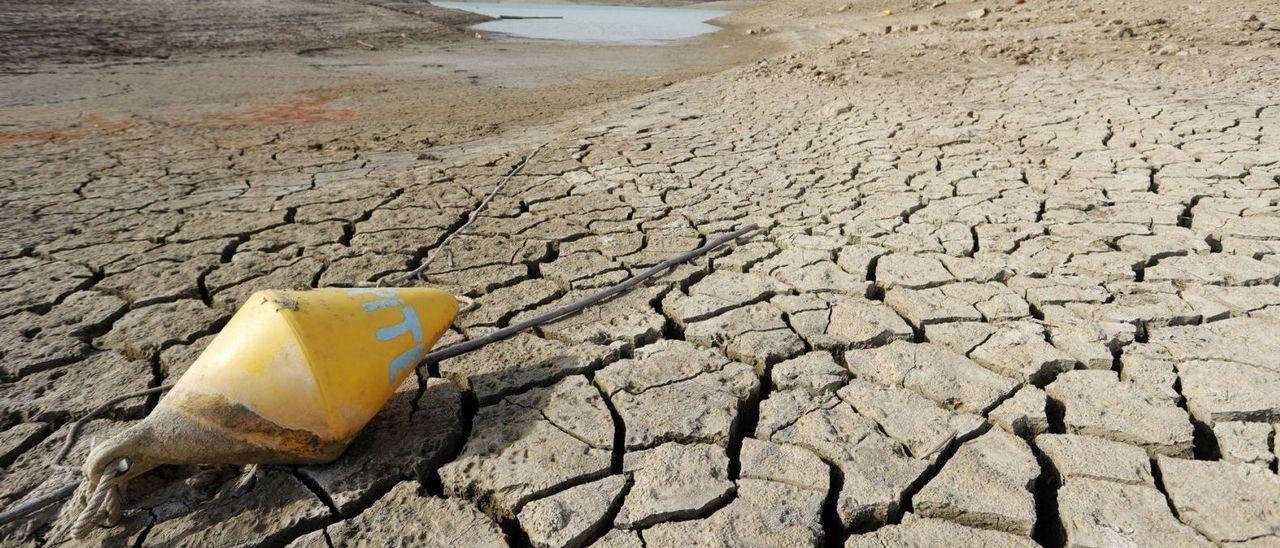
column 33, row 33
column 364, row 90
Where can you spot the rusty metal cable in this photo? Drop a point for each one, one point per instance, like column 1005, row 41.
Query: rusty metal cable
column 23, row 509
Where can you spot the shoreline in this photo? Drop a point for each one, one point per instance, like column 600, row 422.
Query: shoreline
column 460, row 86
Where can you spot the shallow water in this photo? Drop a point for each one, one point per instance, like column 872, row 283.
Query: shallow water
column 588, row 23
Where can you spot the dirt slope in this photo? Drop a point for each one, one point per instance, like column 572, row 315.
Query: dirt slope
column 73, row 30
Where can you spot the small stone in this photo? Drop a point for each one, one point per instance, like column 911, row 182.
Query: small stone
column 835, row 109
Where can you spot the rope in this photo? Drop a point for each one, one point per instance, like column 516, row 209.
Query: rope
column 468, row 304
column 105, row 494
column 471, row 218
column 23, row 509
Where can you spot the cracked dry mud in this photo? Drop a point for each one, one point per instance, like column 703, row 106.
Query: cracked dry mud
column 1018, row 284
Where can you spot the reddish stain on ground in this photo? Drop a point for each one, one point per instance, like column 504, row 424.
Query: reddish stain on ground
column 91, row 124
column 305, row 111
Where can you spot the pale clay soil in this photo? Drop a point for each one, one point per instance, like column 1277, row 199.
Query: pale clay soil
column 1017, row 284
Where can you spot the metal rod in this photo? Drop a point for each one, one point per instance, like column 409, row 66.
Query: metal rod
column 23, row 509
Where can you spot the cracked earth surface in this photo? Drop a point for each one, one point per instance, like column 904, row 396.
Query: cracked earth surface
column 1019, row 284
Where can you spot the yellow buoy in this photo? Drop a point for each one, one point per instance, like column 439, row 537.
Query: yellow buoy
column 291, row 379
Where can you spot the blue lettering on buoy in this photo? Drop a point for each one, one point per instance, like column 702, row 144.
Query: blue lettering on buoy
column 409, row 324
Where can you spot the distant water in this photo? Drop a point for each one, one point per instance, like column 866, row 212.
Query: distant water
column 591, row 23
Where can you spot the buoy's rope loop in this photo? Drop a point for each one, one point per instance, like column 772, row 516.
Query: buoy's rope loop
column 104, row 503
